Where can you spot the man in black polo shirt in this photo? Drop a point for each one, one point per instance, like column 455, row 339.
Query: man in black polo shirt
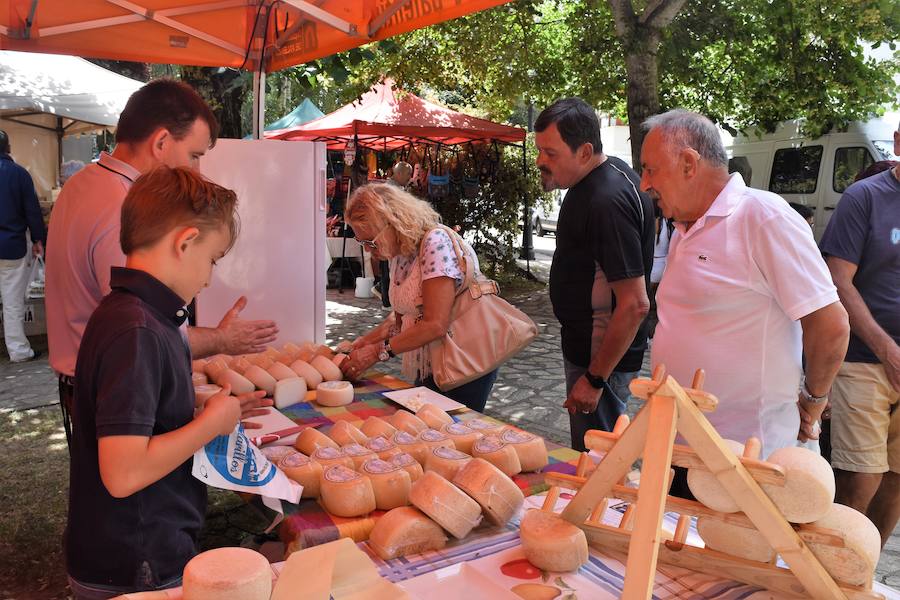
column 601, row 266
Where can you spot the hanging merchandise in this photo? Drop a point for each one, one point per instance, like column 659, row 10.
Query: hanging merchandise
column 350, row 152
column 438, row 180
column 372, row 164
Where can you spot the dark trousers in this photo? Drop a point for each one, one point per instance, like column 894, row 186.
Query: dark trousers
column 66, row 403
column 473, row 394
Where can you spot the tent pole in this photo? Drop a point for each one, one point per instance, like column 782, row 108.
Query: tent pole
column 259, row 102
column 527, row 245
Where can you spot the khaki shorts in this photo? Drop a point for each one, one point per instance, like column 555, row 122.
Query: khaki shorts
column 865, row 420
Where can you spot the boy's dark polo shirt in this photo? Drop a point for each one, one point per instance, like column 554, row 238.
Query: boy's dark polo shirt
column 133, row 378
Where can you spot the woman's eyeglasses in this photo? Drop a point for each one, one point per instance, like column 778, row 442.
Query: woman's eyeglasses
column 371, row 244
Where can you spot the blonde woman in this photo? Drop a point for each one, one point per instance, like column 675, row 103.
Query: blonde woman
column 425, row 276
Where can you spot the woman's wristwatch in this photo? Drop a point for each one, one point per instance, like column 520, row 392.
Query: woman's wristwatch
column 385, row 352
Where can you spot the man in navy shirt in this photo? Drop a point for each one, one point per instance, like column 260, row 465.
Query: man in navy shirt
column 19, row 210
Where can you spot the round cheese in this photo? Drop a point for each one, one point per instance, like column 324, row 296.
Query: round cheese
column 346, row 493
column 551, row 543
column 262, row 361
column 276, row 453
column 199, row 379
column 531, row 449
column 404, row 531
column 432, row 416
column 214, row 368
column 808, row 490
column 286, row 358
column 707, row 489
column 325, row 351
column 289, row 391
column 261, row 379
column 855, row 563
column 280, row 371
column 409, row 464
column 307, row 351
column 304, row 471
column 446, row 504
column 240, row 364
column 500, row 454
column 306, row 371
column 432, row 438
column 485, row 427
column 290, row 348
column 239, row 384
column 446, row 461
column 334, row 393
column 328, row 457
column 383, row 447
column 461, row 435
column 375, row 426
column 734, row 540
column 310, row 439
column 205, row 392
column 271, row 352
column 328, row 369
column 496, row 493
column 390, row 482
column 408, row 422
column 233, row 573
column 345, row 432
column 411, row 445
column 359, row 454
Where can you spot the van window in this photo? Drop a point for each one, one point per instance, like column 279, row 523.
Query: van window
column 795, row 170
column 847, row 163
column 740, row 164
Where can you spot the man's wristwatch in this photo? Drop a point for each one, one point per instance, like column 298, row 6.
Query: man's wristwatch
column 596, row 381
column 385, row 352
column 805, row 393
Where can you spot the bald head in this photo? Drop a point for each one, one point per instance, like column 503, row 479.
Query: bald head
column 402, row 172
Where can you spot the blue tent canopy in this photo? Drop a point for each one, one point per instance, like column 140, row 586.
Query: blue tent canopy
column 306, row 111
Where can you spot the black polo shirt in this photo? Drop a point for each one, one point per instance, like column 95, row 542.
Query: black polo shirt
column 605, row 233
column 134, row 378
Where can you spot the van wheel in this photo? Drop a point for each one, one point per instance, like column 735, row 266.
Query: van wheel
column 538, row 229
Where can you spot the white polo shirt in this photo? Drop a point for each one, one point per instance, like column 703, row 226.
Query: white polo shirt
column 735, row 287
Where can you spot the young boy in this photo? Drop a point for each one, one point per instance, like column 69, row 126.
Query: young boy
column 135, row 510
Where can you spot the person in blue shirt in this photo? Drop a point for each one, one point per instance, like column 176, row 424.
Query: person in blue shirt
column 19, row 211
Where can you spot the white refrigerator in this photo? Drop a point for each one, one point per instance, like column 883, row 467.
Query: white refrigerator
column 279, row 261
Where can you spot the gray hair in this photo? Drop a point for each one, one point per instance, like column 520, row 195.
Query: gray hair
column 685, row 129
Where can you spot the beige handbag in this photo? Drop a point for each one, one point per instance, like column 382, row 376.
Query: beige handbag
column 485, row 330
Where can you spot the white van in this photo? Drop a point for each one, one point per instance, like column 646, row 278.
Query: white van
column 814, row 172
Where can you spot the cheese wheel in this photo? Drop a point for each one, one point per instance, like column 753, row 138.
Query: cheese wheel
column 323, row 350
column 375, row 426
column 410, row 445
column 214, row 368
column 707, row 489
column 233, row 573
column 462, row 436
column 855, row 563
column 446, row 504
column 390, row 482
column 808, row 490
column 409, row 464
column 276, row 453
column 346, row 493
column 551, row 543
column 285, row 358
column 383, row 447
column 280, row 371
column 261, row 379
column 433, row 416
column 310, row 439
column 408, row 422
column 334, row 393
column 306, row 353
column 446, row 462
column 404, row 531
column 328, row 457
column 290, row 348
column 205, row 392
column 485, row 427
column 239, row 384
column 263, row 362
column 734, row 540
column 304, row 471
column 531, row 449
column 328, row 369
column 358, row 454
column 289, row 392
column 240, row 364
column 199, row 379
column 500, row 454
column 271, row 352
column 496, row 494
column 306, row 371
column 345, row 432
column 432, row 438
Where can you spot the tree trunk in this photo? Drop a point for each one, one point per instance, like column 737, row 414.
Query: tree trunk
column 643, row 85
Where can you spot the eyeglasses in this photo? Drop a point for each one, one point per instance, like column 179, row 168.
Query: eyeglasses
column 371, row 243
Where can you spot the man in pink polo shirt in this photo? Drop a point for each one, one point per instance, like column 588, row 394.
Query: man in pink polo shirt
column 164, row 123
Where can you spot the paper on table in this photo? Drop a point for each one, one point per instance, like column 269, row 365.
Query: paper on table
column 414, row 398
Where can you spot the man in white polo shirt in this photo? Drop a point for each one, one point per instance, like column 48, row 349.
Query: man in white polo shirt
column 746, row 294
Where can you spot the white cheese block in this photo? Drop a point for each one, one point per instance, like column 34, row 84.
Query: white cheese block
column 375, row 426
column 383, row 447
column 304, row 471
column 289, row 392
column 531, row 449
column 446, row 504
column 358, row 453
column 328, row 457
column 410, row 445
column 334, row 393
column 233, row 573
column 855, row 563
column 240, row 364
column 280, row 371
column 433, row 416
column 497, row 452
column 276, row 453
column 205, row 392
column 310, row 439
column 432, row 438
column 734, row 540
column 346, row 493
column 551, row 543
column 390, row 482
column 496, row 493
column 446, row 461
column 404, row 531
column 345, row 432
column 462, row 436
column 485, row 427
column 261, row 379
column 308, row 372
column 707, row 489
column 408, row 422
column 199, row 378
column 239, row 384
column 808, row 490
column 409, row 464
column 328, row 369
